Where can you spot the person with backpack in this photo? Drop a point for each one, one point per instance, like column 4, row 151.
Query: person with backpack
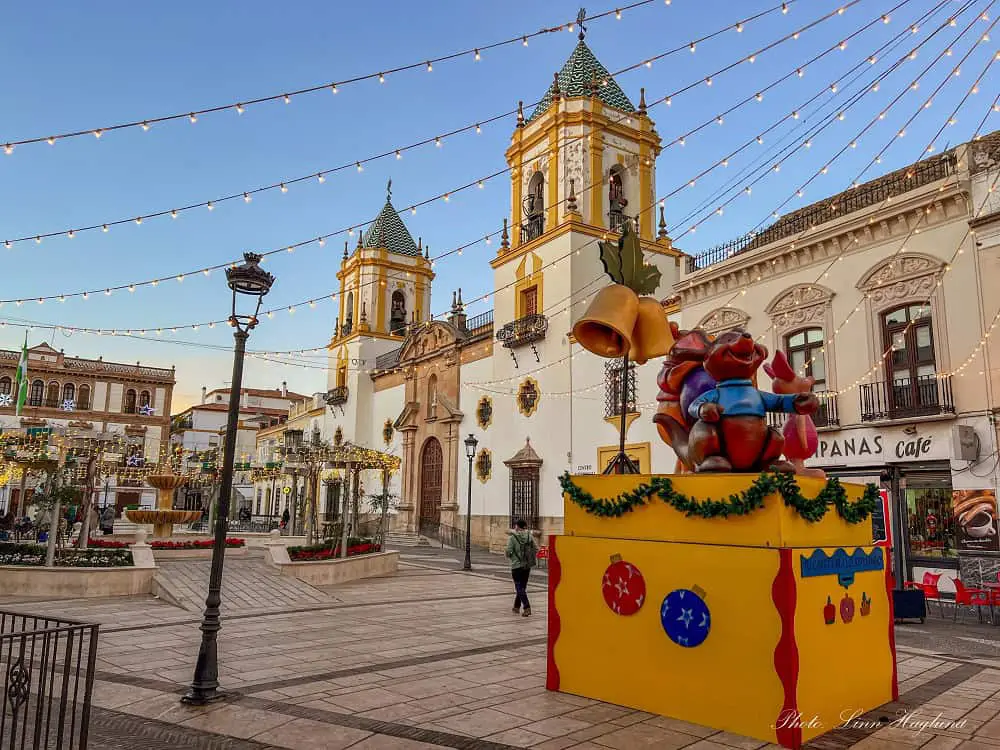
column 522, row 553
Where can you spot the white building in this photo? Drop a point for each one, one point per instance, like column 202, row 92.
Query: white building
column 886, row 294
column 201, row 429
column 582, row 164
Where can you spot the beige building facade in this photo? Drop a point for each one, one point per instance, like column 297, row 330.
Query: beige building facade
column 885, row 294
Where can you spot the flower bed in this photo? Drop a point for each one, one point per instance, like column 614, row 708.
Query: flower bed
column 33, row 555
column 231, row 543
column 318, row 552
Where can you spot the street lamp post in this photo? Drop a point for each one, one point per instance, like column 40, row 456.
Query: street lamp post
column 470, row 453
column 250, row 280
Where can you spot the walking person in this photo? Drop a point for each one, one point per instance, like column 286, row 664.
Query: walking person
column 522, row 553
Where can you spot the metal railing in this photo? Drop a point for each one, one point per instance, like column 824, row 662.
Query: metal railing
column 904, row 398
column 825, row 416
column 532, row 227
column 48, row 667
column 337, row 396
column 480, row 324
column 870, row 194
column 523, row 331
column 240, row 527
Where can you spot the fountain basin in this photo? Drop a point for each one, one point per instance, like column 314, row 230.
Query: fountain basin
column 162, row 520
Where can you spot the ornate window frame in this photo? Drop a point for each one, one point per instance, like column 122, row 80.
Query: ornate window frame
column 803, row 306
column 484, row 465
column 527, row 405
column 484, row 412
column 909, row 278
column 723, row 319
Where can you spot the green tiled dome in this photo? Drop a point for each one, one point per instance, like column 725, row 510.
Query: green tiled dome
column 574, row 80
column 389, row 231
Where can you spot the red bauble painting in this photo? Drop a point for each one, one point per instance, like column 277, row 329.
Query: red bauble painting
column 624, row 588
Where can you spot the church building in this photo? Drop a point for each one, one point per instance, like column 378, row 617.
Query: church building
column 582, row 164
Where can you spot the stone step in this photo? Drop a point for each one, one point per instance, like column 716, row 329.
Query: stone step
column 405, row 539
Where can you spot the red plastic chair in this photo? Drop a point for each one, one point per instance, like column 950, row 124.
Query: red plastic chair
column 977, row 598
column 929, row 586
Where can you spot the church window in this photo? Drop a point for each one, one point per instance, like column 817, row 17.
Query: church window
column 616, row 198
column 613, row 389
column 349, row 314
column 529, row 301
column 534, row 209
column 432, row 396
column 397, row 314
column 524, row 495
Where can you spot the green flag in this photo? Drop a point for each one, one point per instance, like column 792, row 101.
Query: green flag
column 21, row 381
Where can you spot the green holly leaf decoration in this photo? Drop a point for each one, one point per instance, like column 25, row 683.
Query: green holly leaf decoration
column 646, row 280
column 611, row 260
column 624, row 264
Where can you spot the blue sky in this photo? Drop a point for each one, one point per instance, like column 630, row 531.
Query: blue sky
column 75, row 66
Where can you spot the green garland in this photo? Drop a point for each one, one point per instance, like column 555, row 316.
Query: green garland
column 737, row 504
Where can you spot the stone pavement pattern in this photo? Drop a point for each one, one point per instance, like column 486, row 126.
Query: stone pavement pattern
column 433, row 658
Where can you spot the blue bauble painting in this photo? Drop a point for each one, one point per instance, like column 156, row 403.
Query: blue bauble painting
column 685, row 618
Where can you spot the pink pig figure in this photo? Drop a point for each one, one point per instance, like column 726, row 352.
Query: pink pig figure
column 801, row 440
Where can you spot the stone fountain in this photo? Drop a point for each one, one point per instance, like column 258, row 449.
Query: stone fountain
column 164, row 517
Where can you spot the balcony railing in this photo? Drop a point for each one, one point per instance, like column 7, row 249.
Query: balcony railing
column 905, row 398
column 337, row 396
column 826, row 415
column 797, row 222
column 532, row 227
column 618, row 220
column 523, row 331
column 480, row 324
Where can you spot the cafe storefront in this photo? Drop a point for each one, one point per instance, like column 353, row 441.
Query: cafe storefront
column 942, row 517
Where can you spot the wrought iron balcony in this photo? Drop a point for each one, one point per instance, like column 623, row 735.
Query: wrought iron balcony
column 523, row 331
column 337, row 396
column 826, row 415
column 532, row 227
column 905, row 398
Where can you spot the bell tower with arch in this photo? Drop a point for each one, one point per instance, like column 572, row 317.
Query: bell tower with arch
column 582, row 166
column 385, row 291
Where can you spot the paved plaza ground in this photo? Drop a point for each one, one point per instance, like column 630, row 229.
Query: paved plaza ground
column 433, row 658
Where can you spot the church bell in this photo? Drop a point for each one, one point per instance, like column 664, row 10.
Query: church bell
column 606, row 328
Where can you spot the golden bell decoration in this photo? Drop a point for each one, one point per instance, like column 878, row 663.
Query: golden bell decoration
column 606, row 328
column 651, row 336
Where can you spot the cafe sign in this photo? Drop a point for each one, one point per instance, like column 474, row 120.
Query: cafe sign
column 869, row 445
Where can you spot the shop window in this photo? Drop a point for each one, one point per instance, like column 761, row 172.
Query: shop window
column 806, row 356
column 908, row 336
column 930, row 522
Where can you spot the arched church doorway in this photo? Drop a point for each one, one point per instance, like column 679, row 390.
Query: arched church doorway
column 431, row 463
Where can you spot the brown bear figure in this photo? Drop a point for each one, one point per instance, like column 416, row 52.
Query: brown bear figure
column 731, row 433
